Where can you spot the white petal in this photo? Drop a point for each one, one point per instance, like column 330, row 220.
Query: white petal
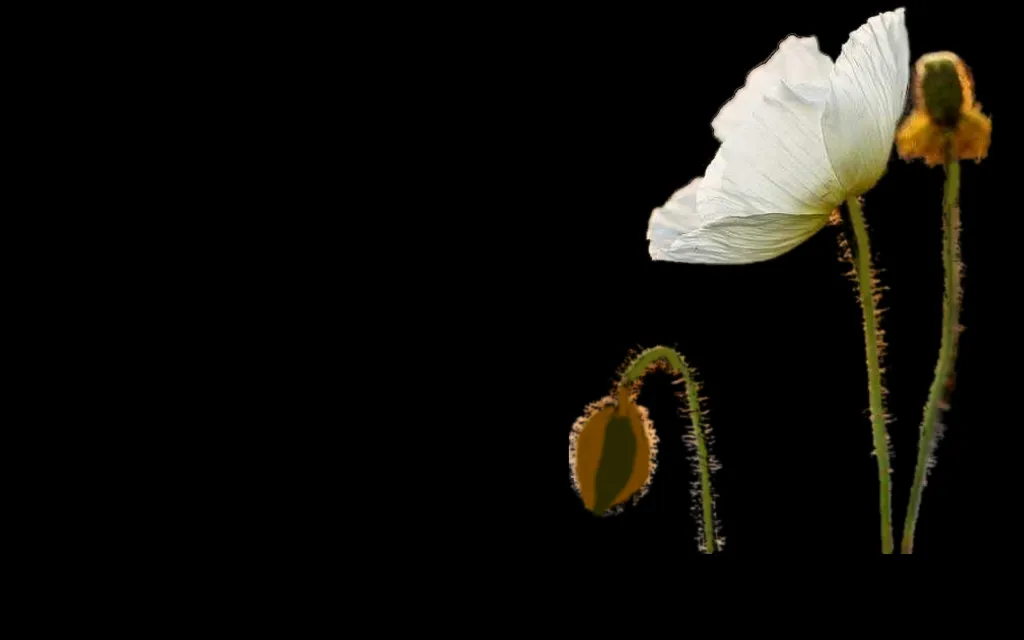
column 742, row 240
column 775, row 162
column 866, row 99
column 797, row 61
column 676, row 217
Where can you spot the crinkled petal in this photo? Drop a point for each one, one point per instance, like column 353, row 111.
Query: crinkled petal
column 797, row 61
column 674, row 218
column 741, row 240
column 866, row 99
column 775, row 162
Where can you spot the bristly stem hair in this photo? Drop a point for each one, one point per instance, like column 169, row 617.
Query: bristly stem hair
column 938, row 395
column 635, row 370
column 873, row 346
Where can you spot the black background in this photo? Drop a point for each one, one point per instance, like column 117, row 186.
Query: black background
column 779, row 345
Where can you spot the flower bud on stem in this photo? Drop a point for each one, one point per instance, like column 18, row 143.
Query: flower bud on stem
column 613, row 446
column 946, row 126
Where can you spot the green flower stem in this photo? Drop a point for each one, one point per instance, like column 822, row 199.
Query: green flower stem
column 865, row 281
column 634, row 372
column 947, row 348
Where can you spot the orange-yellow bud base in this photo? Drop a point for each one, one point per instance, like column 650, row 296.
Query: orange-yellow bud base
column 919, row 137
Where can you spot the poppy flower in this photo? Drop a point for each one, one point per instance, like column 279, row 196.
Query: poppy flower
column 800, row 137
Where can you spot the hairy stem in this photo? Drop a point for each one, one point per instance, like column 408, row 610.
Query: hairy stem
column 947, row 348
column 865, row 282
column 635, row 371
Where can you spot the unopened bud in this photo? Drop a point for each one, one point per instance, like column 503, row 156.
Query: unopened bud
column 611, row 452
column 946, row 122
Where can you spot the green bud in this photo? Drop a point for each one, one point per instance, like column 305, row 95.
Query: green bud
column 617, row 460
column 943, row 95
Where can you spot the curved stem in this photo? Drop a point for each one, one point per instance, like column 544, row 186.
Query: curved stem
column 947, row 348
column 865, row 282
column 634, row 372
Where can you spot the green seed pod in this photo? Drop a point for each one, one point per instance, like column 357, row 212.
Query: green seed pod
column 612, row 452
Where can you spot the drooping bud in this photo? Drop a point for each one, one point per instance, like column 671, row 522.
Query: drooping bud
column 946, row 120
column 612, row 452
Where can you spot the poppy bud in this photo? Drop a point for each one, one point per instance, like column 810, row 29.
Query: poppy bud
column 612, row 452
column 945, row 118
column 940, row 89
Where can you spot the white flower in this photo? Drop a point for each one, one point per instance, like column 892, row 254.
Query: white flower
column 802, row 135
